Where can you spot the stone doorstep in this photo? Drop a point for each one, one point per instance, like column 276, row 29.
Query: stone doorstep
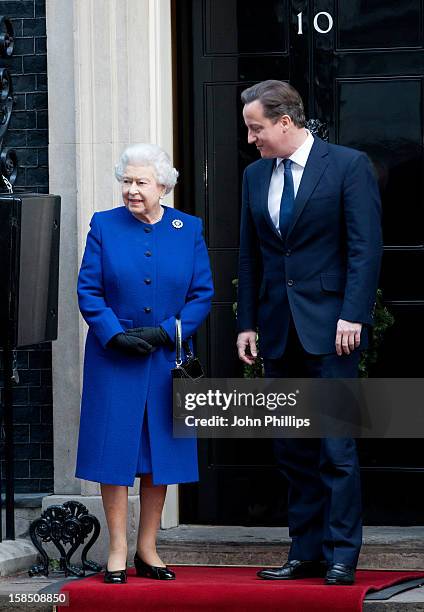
column 409, row 601
column 27, row 500
column 16, row 556
column 372, row 557
column 383, row 548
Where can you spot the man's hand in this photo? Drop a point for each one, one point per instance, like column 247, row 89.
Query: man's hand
column 246, row 346
column 348, row 336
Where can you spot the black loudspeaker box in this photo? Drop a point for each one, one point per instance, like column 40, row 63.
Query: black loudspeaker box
column 29, row 268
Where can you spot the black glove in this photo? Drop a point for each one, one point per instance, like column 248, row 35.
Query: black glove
column 131, row 345
column 156, row 336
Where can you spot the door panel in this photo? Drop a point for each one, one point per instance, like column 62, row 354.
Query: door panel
column 368, row 117
column 378, row 24
column 231, row 28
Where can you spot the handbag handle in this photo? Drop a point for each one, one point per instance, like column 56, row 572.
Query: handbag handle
column 179, row 344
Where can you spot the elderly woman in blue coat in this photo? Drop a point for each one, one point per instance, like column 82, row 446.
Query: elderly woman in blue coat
column 144, row 264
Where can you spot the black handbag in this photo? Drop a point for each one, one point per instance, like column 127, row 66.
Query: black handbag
column 190, row 368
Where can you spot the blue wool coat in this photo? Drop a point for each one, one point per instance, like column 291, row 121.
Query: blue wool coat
column 135, row 274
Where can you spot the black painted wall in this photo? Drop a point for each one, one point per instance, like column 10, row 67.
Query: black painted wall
column 28, row 135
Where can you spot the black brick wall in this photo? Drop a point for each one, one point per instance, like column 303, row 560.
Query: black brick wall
column 28, row 127
column 28, row 135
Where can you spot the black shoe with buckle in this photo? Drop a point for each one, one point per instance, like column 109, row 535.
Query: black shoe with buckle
column 145, row 570
column 115, row 577
column 339, row 573
column 294, row 569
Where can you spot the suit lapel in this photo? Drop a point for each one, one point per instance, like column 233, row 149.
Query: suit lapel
column 315, row 166
column 264, row 189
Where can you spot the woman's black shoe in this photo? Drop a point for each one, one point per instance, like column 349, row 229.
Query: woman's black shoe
column 115, row 577
column 151, row 571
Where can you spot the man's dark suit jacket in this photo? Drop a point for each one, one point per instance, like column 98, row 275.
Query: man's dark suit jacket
column 328, row 266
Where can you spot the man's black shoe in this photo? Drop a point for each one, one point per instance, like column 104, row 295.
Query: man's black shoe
column 339, row 573
column 293, row 570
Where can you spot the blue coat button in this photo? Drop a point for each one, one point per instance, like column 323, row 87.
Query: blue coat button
column 147, row 309
column 148, row 253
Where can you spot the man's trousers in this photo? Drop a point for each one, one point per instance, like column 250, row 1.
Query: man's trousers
column 324, row 492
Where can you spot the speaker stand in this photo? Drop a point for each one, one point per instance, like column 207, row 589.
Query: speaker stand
column 7, row 428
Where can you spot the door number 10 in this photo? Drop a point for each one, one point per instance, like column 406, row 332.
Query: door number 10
column 325, row 15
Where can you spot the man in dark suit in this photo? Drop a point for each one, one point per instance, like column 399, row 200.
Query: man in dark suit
column 310, row 252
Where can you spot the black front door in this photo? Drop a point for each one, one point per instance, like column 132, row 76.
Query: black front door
column 359, row 68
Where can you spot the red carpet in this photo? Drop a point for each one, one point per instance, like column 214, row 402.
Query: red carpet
column 236, row 589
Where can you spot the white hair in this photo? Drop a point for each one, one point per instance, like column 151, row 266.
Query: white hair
column 148, row 155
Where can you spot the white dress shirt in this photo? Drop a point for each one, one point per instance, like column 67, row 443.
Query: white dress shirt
column 276, row 186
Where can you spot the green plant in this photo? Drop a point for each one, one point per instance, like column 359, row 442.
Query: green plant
column 383, row 319
column 54, row 565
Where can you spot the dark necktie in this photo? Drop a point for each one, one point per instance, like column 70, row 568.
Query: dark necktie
column 287, row 199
